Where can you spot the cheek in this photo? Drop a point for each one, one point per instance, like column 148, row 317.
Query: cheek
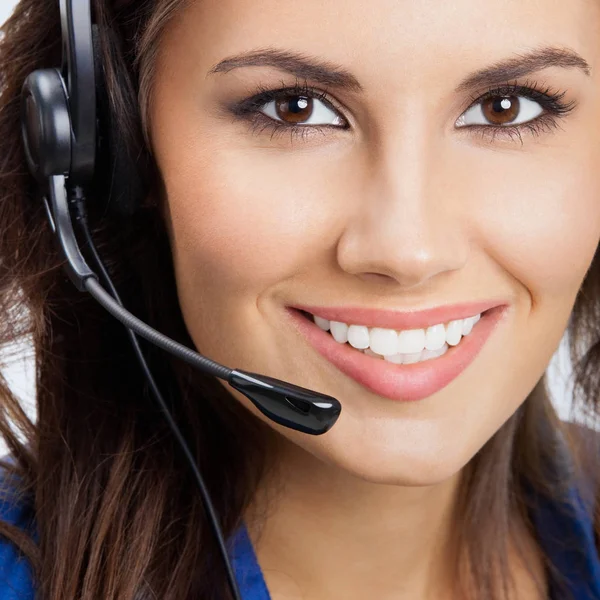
column 541, row 224
column 249, row 219
column 241, row 224
column 535, row 228
column 224, row 225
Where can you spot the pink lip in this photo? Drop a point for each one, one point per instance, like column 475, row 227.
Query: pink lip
column 392, row 319
column 400, row 382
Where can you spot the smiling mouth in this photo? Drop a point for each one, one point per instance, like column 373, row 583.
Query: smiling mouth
column 438, row 344
column 411, row 381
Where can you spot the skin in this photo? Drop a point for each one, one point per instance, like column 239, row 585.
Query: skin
column 401, row 210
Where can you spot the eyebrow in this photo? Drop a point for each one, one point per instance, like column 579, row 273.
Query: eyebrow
column 524, row 64
column 301, row 65
column 326, row 73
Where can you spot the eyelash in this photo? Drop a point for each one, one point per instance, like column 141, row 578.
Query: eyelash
column 550, row 101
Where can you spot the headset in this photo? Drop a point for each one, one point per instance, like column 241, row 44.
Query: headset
column 71, row 142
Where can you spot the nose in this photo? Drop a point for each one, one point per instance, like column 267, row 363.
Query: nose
column 405, row 227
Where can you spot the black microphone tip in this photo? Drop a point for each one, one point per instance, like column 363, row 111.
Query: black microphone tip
column 287, row 404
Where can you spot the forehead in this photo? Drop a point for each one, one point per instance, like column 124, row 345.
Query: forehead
column 417, row 48
column 394, row 29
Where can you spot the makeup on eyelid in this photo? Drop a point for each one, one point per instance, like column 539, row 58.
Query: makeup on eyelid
column 550, row 101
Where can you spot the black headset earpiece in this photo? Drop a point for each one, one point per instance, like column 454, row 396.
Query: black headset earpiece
column 56, row 128
column 46, row 124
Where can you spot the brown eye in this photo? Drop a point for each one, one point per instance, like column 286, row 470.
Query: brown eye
column 294, row 110
column 298, row 110
column 501, row 110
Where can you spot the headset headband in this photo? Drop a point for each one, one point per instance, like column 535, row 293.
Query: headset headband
column 78, row 72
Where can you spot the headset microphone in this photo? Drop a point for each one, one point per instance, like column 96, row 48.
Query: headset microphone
column 59, row 115
column 52, row 151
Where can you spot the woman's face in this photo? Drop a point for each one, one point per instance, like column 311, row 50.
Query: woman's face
column 401, row 190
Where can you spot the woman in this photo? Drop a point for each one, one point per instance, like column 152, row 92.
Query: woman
column 394, row 203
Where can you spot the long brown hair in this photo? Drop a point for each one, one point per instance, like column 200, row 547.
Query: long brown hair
column 116, row 511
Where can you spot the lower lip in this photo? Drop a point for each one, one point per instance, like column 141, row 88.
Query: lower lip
column 400, row 382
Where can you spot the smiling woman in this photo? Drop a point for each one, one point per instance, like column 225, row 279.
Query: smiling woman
column 397, row 207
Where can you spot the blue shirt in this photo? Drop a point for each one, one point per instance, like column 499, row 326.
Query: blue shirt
column 569, row 540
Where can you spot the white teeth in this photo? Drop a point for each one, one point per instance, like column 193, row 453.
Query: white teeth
column 435, row 337
column 358, row 336
column 322, row 323
column 402, row 347
column 427, row 354
column 469, row 323
column 383, row 341
column 370, row 352
column 397, row 359
column 454, row 332
column 339, row 331
column 407, row 359
column 411, row 341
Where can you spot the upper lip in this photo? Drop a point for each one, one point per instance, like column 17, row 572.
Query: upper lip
column 392, row 319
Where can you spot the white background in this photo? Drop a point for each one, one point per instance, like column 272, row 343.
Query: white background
column 6, row 7
column 19, row 371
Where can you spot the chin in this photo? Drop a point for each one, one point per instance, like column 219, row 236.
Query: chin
column 400, row 465
column 413, row 472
